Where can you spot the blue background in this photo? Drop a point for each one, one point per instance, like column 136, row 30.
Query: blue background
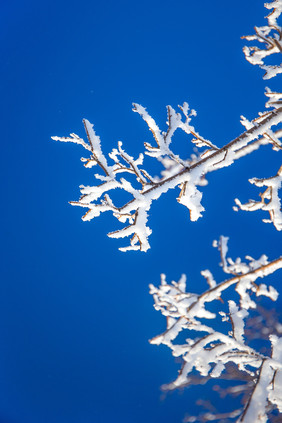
column 75, row 313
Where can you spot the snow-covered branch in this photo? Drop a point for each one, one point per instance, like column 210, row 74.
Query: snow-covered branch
column 186, row 174
column 210, row 351
column 270, row 200
column 271, row 36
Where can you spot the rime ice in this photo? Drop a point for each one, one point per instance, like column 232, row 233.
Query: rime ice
column 208, row 350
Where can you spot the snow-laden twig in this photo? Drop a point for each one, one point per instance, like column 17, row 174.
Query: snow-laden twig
column 271, row 36
column 270, row 200
column 185, row 174
column 210, row 351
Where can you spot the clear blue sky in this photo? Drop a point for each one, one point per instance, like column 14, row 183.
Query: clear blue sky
column 75, row 313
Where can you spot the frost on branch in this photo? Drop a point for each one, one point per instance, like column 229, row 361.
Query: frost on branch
column 148, row 188
column 270, row 200
column 212, row 353
column 186, row 174
column 271, row 36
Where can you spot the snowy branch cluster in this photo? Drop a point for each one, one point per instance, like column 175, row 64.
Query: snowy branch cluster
column 211, row 352
column 185, row 173
column 207, row 353
column 270, row 200
column 271, row 36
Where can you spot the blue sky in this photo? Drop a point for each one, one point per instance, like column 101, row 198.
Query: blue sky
column 76, row 314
